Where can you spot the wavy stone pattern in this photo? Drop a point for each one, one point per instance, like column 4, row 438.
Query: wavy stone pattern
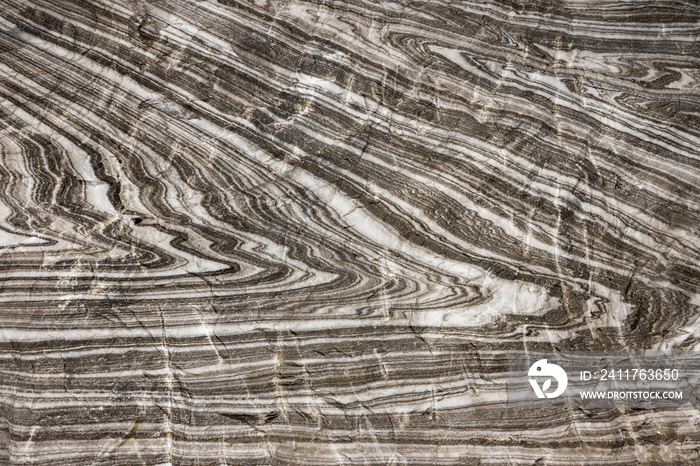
column 306, row 232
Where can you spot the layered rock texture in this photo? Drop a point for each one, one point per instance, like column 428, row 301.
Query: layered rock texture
column 308, row 232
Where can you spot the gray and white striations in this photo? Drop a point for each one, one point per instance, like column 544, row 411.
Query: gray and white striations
column 307, row 232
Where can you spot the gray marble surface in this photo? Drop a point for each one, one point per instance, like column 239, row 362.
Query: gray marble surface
column 308, row 232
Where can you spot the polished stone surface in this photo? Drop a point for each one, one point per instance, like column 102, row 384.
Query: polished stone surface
column 306, row 232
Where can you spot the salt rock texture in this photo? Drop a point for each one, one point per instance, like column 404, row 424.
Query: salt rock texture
column 307, row 232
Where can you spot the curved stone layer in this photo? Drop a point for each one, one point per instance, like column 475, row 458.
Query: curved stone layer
column 306, row 232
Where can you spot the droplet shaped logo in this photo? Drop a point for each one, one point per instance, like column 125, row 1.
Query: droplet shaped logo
column 541, row 369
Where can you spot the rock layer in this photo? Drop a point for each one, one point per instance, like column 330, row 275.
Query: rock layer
column 307, row 232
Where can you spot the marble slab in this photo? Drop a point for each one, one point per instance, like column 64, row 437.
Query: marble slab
column 308, row 232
